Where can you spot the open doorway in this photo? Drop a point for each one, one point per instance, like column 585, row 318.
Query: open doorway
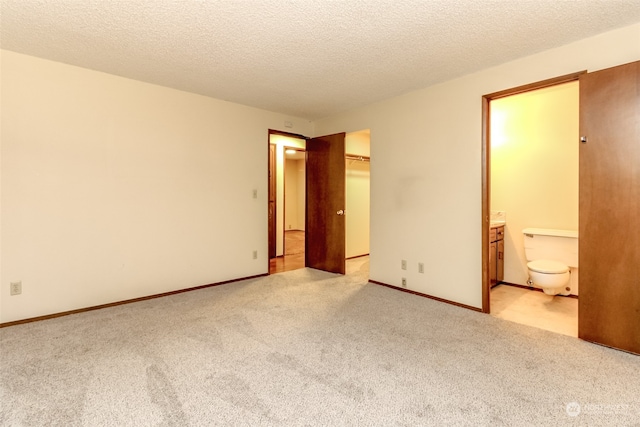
column 608, row 156
column 531, row 173
column 286, row 201
column 289, row 241
column 358, row 192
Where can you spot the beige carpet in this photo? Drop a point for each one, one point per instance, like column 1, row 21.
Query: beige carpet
column 306, row 348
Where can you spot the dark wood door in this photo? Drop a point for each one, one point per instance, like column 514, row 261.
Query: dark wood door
column 272, row 201
column 609, row 249
column 325, row 216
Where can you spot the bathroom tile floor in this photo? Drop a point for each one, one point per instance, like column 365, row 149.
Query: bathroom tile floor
column 554, row 313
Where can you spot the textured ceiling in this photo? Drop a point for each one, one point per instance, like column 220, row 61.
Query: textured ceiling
column 307, row 58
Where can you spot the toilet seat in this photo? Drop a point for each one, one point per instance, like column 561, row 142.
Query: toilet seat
column 547, row 266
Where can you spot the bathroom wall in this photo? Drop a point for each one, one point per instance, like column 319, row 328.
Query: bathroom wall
column 534, row 167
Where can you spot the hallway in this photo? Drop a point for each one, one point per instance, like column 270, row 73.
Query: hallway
column 293, row 258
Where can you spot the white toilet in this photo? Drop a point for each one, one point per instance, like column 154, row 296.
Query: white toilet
column 550, row 255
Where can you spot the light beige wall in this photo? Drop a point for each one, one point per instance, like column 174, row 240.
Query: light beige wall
column 426, row 165
column 291, row 193
column 358, row 143
column 115, row 189
column 534, row 166
column 357, row 200
column 302, row 192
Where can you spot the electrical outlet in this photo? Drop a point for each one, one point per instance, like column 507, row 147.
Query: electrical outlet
column 16, row 288
column 255, row 254
column 403, row 264
column 421, row 267
column 404, row 282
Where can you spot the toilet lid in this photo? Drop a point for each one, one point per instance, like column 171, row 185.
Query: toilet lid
column 547, row 266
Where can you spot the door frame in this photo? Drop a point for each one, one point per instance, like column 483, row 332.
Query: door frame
column 486, row 168
column 271, row 210
column 269, row 189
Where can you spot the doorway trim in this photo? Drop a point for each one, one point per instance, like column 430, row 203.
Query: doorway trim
column 486, row 167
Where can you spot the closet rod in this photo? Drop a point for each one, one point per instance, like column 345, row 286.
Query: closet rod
column 354, row 157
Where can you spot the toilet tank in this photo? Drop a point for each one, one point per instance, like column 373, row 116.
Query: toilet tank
column 557, row 245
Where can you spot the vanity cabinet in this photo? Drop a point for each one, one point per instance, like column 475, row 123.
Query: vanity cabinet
column 496, row 255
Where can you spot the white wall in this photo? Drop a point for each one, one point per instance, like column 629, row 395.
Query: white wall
column 302, row 193
column 115, row 189
column 294, row 193
column 357, row 201
column 426, row 165
column 534, row 167
column 358, row 143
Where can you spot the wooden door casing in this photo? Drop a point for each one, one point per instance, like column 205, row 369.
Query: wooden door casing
column 609, row 211
column 486, row 169
column 272, row 201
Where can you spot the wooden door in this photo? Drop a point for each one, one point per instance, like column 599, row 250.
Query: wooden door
column 325, row 217
column 272, row 201
column 609, row 246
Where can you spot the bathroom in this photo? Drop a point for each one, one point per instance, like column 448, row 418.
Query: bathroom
column 534, row 184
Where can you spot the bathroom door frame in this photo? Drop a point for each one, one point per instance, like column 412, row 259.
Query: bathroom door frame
column 486, row 167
